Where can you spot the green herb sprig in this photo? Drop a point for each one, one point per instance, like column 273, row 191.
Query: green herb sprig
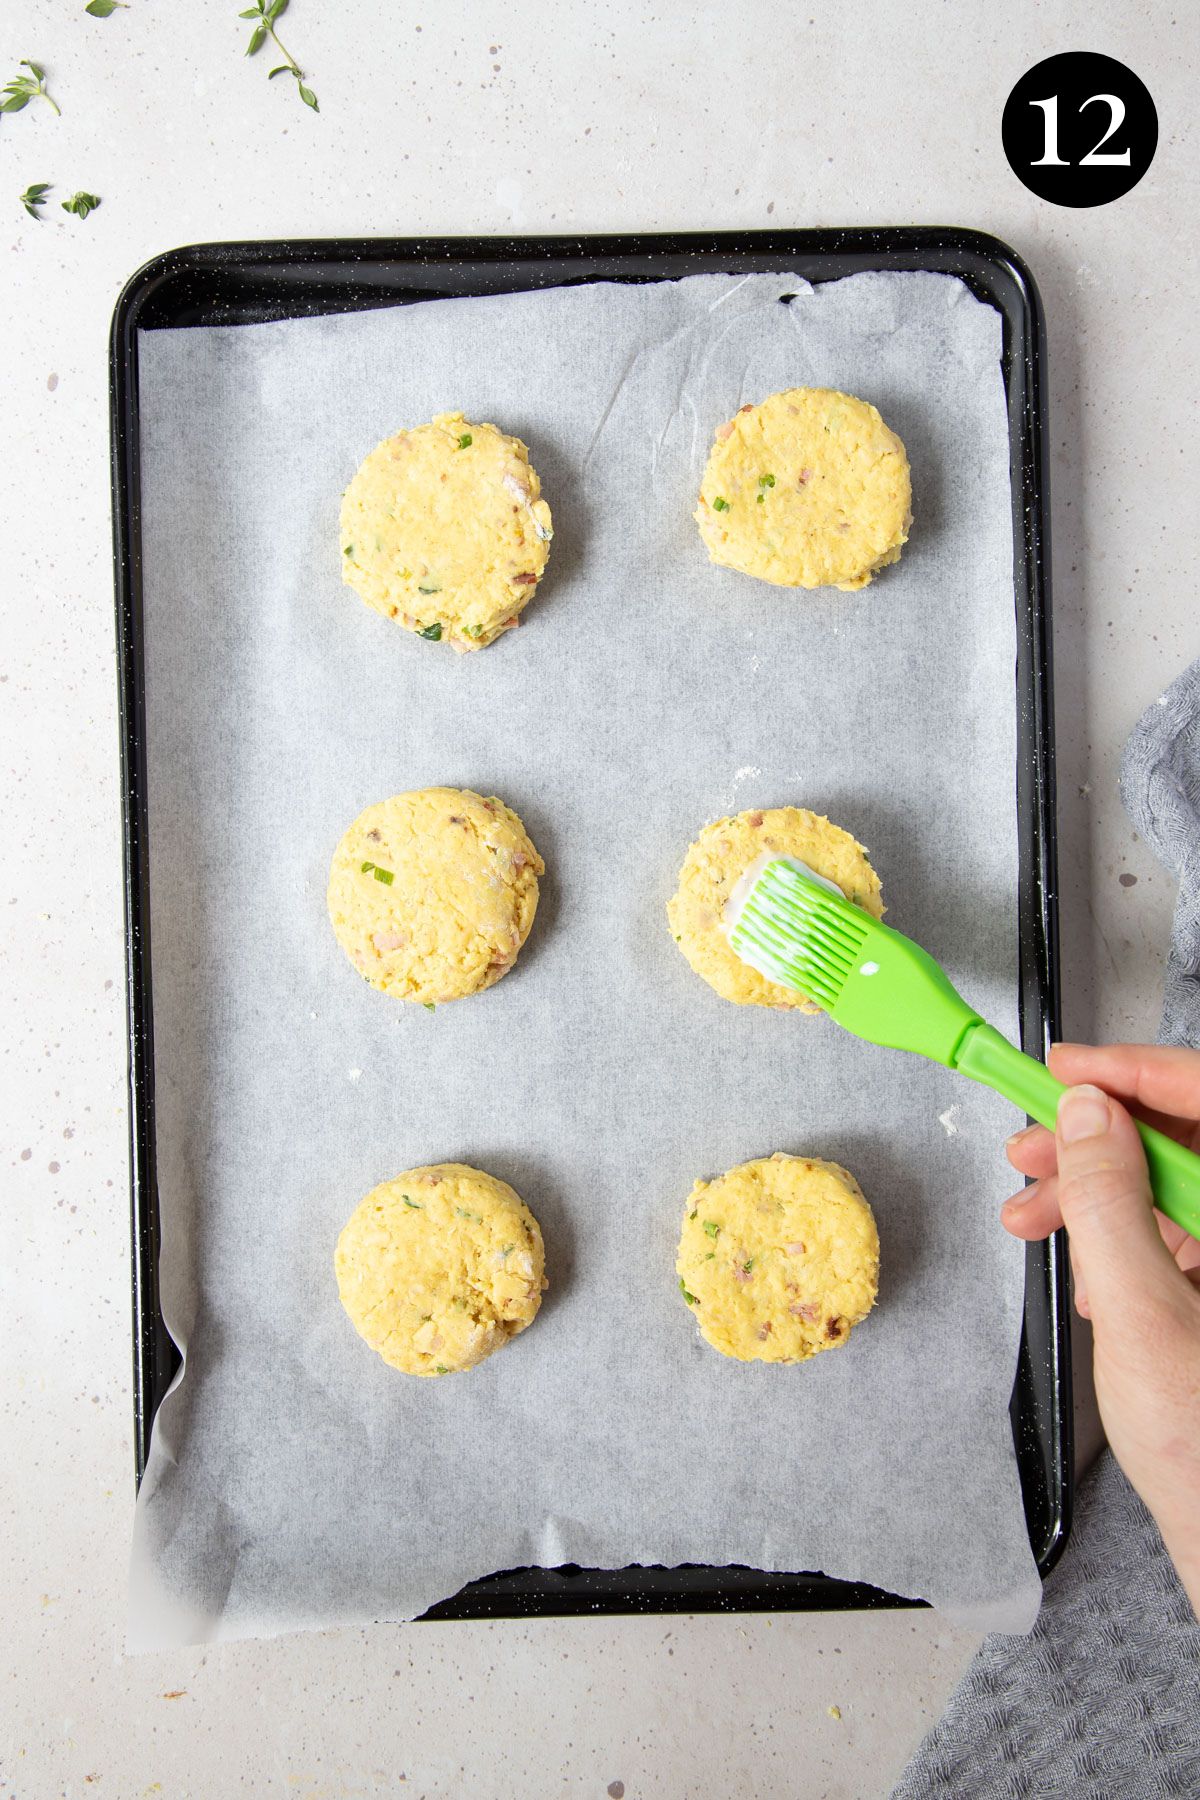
column 35, row 196
column 81, row 204
column 104, row 9
column 264, row 13
column 690, row 1298
column 23, row 88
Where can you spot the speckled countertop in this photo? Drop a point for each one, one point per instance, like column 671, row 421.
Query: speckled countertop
column 476, row 119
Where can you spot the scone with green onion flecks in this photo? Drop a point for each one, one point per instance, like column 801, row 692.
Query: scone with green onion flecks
column 433, row 893
column 715, row 864
column 444, row 529
column 778, row 1258
column 807, row 489
column 440, row 1267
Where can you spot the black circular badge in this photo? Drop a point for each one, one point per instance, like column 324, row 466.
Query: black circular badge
column 1079, row 129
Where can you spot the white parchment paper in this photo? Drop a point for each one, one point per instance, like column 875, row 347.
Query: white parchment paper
column 294, row 1479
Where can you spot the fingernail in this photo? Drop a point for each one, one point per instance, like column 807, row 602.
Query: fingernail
column 1083, row 1112
column 1016, row 1202
column 1018, row 1136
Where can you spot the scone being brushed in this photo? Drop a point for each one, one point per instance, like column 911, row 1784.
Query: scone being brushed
column 715, row 864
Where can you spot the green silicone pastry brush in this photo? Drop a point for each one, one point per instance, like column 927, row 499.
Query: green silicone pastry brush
column 796, row 928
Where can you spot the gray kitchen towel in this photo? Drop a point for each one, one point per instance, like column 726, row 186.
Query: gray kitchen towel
column 1101, row 1701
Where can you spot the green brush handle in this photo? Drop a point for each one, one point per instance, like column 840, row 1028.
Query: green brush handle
column 989, row 1058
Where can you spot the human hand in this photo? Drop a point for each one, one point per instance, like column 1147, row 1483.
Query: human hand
column 1137, row 1275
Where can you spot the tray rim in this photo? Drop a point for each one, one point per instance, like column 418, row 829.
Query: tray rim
column 990, row 267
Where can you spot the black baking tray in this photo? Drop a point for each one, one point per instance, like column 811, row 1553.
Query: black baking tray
column 243, row 283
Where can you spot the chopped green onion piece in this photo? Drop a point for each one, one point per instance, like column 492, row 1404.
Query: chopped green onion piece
column 748, row 1264
column 720, row 505
column 429, row 587
column 384, row 875
column 432, row 632
column 429, row 1005
column 366, row 868
column 761, row 498
column 693, row 1212
column 415, row 1204
column 712, row 1228
column 765, row 481
column 690, row 1298
column 465, row 441
column 348, row 550
column 710, row 1256
column 440, row 1369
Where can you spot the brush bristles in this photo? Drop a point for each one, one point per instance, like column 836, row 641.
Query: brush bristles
column 792, row 932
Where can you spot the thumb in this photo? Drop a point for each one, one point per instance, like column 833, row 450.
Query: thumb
column 1104, row 1192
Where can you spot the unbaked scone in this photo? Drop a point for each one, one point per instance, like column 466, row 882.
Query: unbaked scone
column 712, row 869
column 440, row 1267
column 779, row 1258
column 432, row 894
column 807, row 489
column 444, row 529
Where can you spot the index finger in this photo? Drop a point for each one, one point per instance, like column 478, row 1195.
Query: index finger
column 1162, row 1082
